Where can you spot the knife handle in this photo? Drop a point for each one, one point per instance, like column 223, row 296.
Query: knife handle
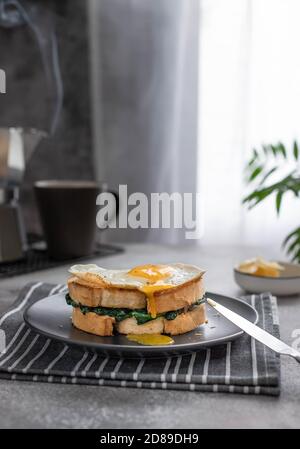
column 296, row 355
column 291, row 352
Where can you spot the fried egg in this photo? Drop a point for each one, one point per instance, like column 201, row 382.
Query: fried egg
column 148, row 278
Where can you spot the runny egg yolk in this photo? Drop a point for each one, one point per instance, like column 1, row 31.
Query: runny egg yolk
column 151, row 339
column 154, row 274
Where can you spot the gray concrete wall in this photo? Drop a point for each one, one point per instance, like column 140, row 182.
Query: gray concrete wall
column 29, row 101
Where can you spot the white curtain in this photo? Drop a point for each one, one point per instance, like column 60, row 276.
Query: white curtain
column 144, row 59
column 157, row 94
column 249, row 94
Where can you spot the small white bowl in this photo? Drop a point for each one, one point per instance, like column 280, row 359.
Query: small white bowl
column 288, row 283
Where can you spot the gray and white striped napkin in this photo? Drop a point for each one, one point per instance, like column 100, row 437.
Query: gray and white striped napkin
column 242, row 366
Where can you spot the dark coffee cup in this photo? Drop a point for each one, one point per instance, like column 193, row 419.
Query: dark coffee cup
column 68, row 215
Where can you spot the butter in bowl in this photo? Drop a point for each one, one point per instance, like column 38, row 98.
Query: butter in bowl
column 258, row 275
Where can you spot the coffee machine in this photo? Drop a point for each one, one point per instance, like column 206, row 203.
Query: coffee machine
column 16, row 147
column 17, row 144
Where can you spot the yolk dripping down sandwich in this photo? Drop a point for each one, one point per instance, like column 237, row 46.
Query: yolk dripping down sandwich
column 148, row 299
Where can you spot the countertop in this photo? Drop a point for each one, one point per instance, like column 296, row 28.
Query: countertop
column 38, row 405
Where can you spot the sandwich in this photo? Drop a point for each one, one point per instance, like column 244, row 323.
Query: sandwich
column 147, row 299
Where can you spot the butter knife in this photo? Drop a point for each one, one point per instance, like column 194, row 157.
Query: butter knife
column 256, row 332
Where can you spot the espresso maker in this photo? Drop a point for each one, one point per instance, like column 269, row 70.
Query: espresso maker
column 17, row 143
column 16, row 147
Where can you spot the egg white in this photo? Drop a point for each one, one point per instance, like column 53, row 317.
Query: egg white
column 179, row 274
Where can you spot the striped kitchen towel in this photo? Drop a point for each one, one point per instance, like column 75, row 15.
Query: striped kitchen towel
column 242, row 366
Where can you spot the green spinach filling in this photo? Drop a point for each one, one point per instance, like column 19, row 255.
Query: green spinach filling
column 141, row 315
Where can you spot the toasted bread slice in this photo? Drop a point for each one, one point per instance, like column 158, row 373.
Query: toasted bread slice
column 175, row 298
column 183, row 323
column 103, row 325
column 179, row 297
column 130, row 326
column 115, row 298
column 92, row 323
column 186, row 322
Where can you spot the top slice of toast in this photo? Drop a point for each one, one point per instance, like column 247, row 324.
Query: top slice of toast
column 88, row 293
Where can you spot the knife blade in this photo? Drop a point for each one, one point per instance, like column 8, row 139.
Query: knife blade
column 256, row 332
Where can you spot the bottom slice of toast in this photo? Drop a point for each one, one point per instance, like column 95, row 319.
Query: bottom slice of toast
column 103, row 325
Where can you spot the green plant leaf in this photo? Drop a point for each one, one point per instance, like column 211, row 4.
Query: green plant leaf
column 274, row 149
column 296, row 258
column 253, row 158
column 296, row 150
column 256, row 197
column 267, row 149
column 292, row 242
column 259, row 169
column 266, row 176
column 295, row 232
column 293, row 246
column 282, row 149
column 255, row 173
column 295, row 190
column 278, row 201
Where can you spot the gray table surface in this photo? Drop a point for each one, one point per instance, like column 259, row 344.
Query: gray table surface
column 38, row 405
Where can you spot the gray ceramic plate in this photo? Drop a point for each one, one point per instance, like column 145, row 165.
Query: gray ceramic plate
column 51, row 317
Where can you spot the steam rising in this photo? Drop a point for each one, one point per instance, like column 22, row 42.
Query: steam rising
column 13, row 14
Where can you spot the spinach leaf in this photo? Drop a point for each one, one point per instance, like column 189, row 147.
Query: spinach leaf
column 141, row 315
column 171, row 315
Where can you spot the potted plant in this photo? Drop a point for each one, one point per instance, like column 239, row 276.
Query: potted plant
column 265, row 164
